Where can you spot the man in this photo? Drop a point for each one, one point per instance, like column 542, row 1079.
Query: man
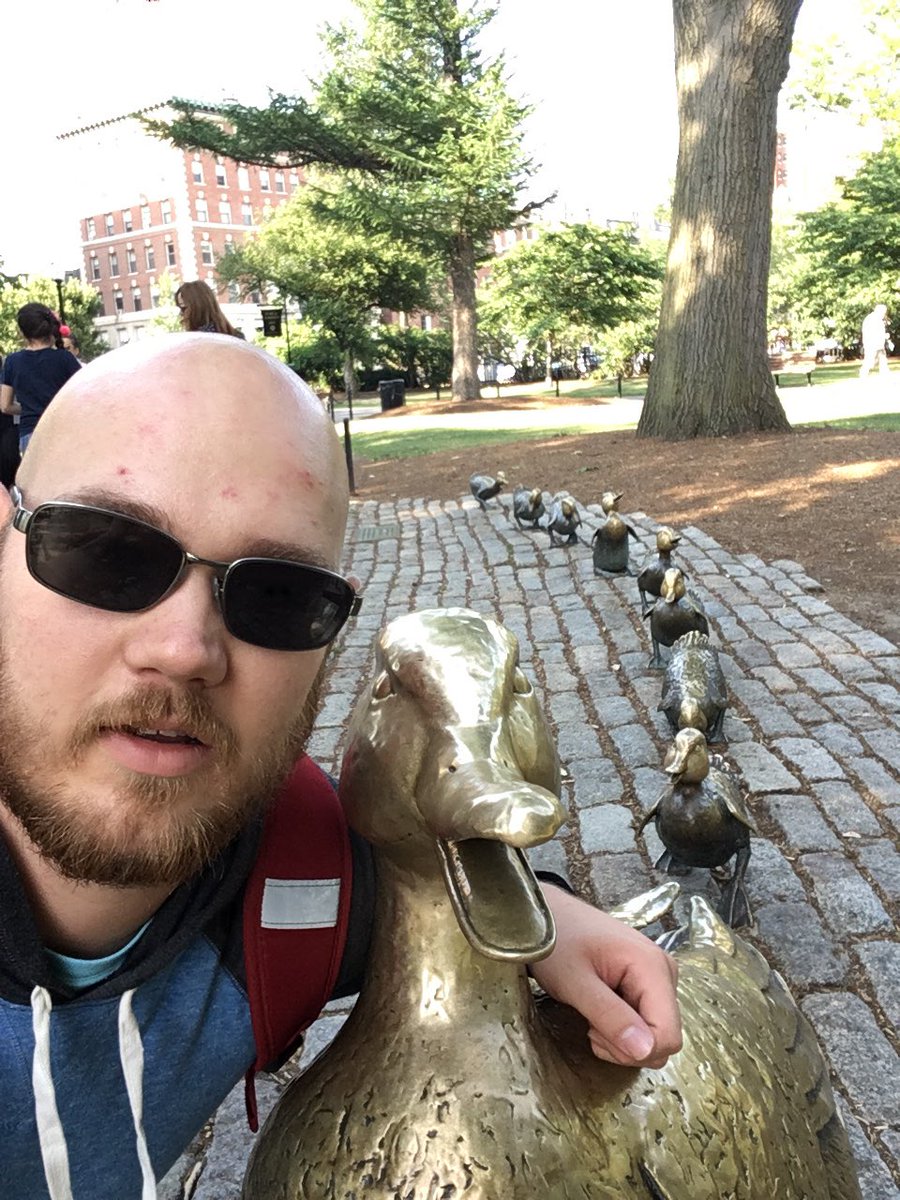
column 874, row 340
column 139, row 748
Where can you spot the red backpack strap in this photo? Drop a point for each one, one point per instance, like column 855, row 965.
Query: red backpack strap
column 296, row 908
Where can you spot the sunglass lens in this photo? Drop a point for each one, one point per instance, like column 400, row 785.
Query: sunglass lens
column 101, row 559
column 284, row 605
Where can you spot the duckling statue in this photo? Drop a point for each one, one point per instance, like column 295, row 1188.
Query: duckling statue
column 694, row 693
column 449, row 1079
column 675, row 613
column 528, row 505
column 486, row 487
column 563, row 520
column 703, row 821
column 650, row 577
column 610, row 540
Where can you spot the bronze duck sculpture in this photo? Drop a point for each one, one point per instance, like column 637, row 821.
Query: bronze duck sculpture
column 674, row 614
column 563, row 520
column 703, row 821
column 448, row 1079
column 486, row 487
column 694, row 693
column 610, row 540
column 528, row 506
column 650, row 577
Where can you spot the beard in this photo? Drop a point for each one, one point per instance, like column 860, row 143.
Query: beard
column 154, row 829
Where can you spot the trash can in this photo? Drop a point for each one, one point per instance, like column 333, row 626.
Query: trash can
column 392, row 393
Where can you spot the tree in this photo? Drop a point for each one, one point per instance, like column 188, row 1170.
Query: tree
column 579, row 279
column 81, row 304
column 710, row 374
column 424, row 131
column 338, row 277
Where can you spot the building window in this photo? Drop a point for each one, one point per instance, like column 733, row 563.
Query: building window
column 95, row 267
column 221, row 178
column 110, row 224
column 255, row 297
column 234, row 293
column 264, row 180
column 113, row 263
column 206, row 253
column 154, row 296
column 294, row 181
column 246, row 214
column 279, row 181
column 224, row 212
column 243, row 176
column 149, row 258
column 197, row 169
column 91, row 229
column 146, row 219
column 170, row 254
column 229, row 245
column 136, row 300
column 132, row 261
column 166, row 208
column 126, row 220
column 120, row 302
column 202, row 211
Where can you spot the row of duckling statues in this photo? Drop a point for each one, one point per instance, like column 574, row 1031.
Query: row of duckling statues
column 451, row 1078
column 701, row 818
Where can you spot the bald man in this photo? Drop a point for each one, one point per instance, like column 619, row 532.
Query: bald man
column 168, row 587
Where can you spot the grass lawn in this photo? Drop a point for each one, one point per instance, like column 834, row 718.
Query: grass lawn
column 406, row 443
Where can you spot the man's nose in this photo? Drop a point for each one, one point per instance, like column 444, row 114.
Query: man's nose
column 184, row 636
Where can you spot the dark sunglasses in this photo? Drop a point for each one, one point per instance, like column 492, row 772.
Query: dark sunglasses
column 108, row 560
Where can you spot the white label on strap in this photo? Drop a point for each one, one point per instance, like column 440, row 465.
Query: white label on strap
column 300, row 903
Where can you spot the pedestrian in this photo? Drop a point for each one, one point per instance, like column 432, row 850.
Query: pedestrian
column 200, row 311
column 152, row 703
column 9, row 444
column 33, row 376
column 875, row 341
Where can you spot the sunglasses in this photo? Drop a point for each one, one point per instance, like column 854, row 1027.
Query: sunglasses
column 107, row 560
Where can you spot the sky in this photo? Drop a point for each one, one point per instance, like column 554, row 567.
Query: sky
column 600, row 76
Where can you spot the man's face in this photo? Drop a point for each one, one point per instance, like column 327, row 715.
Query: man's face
column 136, row 745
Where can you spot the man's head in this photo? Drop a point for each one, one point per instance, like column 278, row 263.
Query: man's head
column 137, row 743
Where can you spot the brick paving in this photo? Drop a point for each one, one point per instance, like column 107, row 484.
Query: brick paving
column 814, row 726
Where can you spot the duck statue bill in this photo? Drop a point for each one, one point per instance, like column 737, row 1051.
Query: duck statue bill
column 449, row 1079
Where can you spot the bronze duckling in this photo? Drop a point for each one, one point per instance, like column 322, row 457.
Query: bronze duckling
column 449, row 1078
column 703, row 821
column 675, row 613
column 528, row 506
column 563, row 520
column 486, row 487
column 650, row 578
column 694, row 693
column 610, row 540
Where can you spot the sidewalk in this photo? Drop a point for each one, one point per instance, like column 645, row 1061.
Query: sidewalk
column 814, row 726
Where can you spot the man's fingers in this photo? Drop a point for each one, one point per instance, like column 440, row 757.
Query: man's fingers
column 620, row 1035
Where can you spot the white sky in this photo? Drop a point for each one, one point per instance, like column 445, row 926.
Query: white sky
column 599, row 74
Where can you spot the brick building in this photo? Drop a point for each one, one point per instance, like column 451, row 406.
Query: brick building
column 148, row 210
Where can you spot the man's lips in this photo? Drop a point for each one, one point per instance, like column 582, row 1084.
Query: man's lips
column 155, row 751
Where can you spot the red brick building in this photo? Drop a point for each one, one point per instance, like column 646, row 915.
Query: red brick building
column 149, row 210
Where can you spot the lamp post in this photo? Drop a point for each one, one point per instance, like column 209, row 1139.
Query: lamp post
column 62, row 305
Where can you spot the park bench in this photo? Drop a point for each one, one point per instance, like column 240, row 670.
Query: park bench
column 793, row 362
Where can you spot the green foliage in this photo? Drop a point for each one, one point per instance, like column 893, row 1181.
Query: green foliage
column 569, row 285
column 337, row 275
column 423, row 357
column 837, row 262
column 627, row 347
column 857, row 70
column 80, row 302
column 166, row 314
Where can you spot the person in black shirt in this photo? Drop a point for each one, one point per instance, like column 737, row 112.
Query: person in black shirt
column 33, row 376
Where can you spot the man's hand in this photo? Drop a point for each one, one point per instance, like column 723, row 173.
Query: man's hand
column 620, row 982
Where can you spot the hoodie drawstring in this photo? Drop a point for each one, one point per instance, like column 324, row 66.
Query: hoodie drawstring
column 51, row 1136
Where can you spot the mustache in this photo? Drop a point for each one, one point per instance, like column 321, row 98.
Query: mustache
column 151, row 707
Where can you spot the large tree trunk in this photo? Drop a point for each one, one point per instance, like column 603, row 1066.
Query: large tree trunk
column 710, row 372
column 465, row 327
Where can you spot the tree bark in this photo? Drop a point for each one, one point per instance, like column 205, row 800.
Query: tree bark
column 710, row 371
column 465, row 325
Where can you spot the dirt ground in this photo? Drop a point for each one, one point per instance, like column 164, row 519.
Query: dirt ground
column 829, row 498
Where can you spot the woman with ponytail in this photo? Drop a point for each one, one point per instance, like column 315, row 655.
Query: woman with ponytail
column 32, row 377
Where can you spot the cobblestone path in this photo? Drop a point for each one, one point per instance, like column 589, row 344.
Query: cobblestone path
column 814, row 727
